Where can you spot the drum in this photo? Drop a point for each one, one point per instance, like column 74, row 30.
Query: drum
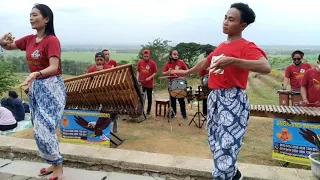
column 284, row 97
column 189, row 94
column 199, row 95
column 296, row 98
column 204, row 81
column 178, row 88
column 204, row 84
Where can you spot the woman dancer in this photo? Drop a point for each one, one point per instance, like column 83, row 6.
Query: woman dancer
column 47, row 92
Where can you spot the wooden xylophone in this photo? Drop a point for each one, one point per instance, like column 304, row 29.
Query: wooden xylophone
column 310, row 114
column 112, row 90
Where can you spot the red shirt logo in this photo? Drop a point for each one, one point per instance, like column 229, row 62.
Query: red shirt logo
column 36, row 54
column 316, row 84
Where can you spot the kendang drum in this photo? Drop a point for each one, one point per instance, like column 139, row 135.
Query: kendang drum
column 178, row 88
column 296, row 98
column 204, row 85
column 284, row 96
column 199, row 94
column 189, row 94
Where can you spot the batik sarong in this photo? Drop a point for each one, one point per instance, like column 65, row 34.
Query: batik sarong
column 47, row 98
column 228, row 115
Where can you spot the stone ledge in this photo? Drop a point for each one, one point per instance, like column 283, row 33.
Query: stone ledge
column 150, row 162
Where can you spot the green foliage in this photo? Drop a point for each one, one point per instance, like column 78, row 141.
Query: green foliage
column 190, row 52
column 7, row 79
column 123, row 62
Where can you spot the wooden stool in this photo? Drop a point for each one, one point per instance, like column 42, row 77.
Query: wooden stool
column 160, row 102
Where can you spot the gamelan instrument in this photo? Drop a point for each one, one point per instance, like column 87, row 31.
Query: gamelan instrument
column 286, row 95
column 114, row 90
column 310, row 114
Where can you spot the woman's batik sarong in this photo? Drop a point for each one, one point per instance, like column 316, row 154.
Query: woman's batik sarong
column 47, row 98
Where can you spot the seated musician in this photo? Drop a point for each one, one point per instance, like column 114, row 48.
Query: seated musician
column 7, row 120
column 146, row 70
column 99, row 58
column 108, row 61
column 100, row 64
column 175, row 63
column 310, row 86
column 201, row 74
column 294, row 72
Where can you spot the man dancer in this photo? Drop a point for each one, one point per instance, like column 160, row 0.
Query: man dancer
column 228, row 111
column 109, row 61
column 201, row 74
column 146, row 70
column 295, row 72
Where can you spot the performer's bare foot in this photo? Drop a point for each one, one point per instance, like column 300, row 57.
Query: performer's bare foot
column 57, row 173
column 46, row 171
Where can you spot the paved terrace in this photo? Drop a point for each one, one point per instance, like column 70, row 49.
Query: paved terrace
column 135, row 162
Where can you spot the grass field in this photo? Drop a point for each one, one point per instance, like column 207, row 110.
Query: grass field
column 89, row 56
column 81, row 56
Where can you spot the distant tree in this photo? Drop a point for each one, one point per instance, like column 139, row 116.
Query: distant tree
column 190, row 52
column 122, row 62
column 7, row 79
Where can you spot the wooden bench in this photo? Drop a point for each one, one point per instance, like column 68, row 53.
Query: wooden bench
column 159, row 104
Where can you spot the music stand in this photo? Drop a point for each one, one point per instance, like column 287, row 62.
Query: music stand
column 198, row 112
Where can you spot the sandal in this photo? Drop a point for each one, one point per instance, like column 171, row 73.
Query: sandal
column 44, row 172
column 55, row 178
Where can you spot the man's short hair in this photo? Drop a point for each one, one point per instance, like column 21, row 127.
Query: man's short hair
column 247, row 14
column 297, row 52
column 104, row 50
column 99, row 54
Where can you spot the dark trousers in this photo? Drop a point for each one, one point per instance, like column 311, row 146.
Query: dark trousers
column 149, row 96
column 204, row 106
column 182, row 106
column 8, row 127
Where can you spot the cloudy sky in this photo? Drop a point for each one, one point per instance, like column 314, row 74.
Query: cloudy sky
column 278, row 22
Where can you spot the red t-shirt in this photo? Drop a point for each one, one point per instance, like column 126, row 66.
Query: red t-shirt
column 175, row 65
column 38, row 54
column 146, row 69
column 94, row 68
column 234, row 76
column 203, row 72
column 311, row 81
column 295, row 74
column 112, row 63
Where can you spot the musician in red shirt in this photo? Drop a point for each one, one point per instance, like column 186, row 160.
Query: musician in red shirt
column 108, row 61
column 201, row 74
column 175, row 63
column 99, row 58
column 146, row 70
column 228, row 111
column 294, row 73
column 310, row 86
column 47, row 92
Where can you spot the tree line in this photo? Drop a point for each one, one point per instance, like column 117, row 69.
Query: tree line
column 189, row 52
